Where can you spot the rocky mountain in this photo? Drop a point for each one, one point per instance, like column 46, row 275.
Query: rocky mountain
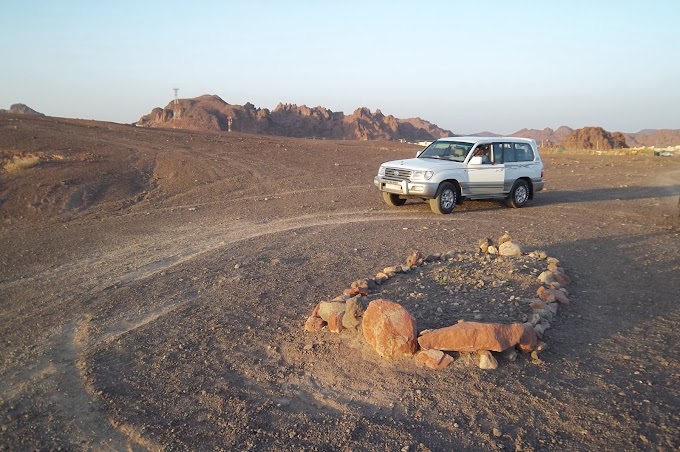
column 210, row 113
column 21, row 109
column 594, row 138
column 547, row 136
column 653, row 137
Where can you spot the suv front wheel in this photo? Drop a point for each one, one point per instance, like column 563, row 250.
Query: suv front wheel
column 393, row 200
column 446, row 199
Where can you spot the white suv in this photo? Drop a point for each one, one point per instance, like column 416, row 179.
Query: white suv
column 452, row 169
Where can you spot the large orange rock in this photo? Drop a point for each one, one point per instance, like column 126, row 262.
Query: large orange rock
column 389, row 329
column 472, row 336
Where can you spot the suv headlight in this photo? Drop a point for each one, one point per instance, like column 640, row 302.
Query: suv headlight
column 381, row 171
column 422, row 175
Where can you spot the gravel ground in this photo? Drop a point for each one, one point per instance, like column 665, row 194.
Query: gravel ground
column 155, row 284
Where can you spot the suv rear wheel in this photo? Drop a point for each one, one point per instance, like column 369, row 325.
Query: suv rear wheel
column 519, row 195
column 446, row 199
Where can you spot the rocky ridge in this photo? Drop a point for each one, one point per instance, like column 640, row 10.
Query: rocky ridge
column 211, row 113
column 21, row 109
column 496, row 285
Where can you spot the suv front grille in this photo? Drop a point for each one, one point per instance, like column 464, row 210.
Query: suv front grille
column 398, row 173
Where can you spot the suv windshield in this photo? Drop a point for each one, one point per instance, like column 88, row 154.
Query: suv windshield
column 447, row 150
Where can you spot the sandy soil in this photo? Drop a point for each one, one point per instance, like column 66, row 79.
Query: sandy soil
column 155, row 283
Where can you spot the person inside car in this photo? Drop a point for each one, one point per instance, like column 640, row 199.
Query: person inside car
column 483, row 152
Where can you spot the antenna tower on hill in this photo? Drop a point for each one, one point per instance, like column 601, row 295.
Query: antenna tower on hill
column 178, row 112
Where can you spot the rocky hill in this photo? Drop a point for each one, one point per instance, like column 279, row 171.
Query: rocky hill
column 210, row 113
column 651, row 137
column 21, row 109
column 595, row 138
column 547, row 136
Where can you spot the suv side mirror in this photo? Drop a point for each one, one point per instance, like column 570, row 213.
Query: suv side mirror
column 476, row 160
column 419, row 152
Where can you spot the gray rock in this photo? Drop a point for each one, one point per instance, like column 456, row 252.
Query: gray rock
column 353, row 311
column 484, row 245
column 509, row 248
column 546, row 278
column 504, row 238
column 328, row 308
column 486, row 360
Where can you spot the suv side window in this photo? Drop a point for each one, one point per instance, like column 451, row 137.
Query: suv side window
column 503, row 152
column 498, row 152
column 509, row 153
column 524, row 152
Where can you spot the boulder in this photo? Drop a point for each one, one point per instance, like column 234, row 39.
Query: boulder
column 472, row 336
column 562, row 278
column 487, row 360
column 315, row 311
column 328, row 308
column 365, row 285
column 528, row 341
column 484, row 244
column 546, row 295
column 381, row 277
column 352, row 317
column 434, row 359
column 560, row 296
column 538, row 304
column 335, row 322
column 314, row 324
column 415, row 258
column 553, row 260
column 492, row 250
column 552, row 295
column 355, row 291
column 389, row 329
column 504, row 238
column 510, row 249
column 547, row 278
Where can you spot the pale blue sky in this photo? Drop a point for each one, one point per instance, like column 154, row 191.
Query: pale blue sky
column 466, row 66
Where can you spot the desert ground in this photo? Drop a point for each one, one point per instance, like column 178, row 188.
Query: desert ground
column 155, row 284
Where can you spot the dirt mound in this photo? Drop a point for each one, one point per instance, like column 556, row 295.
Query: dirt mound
column 210, row 113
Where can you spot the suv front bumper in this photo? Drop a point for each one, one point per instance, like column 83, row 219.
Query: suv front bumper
column 406, row 187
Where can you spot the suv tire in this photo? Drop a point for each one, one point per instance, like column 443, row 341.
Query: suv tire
column 445, row 201
column 393, row 200
column 519, row 195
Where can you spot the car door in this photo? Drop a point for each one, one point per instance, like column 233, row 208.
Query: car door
column 527, row 165
column 487, row 177
column 512, row 166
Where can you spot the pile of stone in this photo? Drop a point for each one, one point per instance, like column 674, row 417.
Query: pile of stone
column 391, row 330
